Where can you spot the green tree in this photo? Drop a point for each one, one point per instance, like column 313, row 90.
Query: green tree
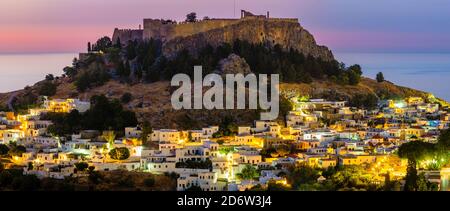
column 302, row 174
column 110, row 137
column 30, row 166
column 17, row 150
column 380, row 77
column 47, row 88
column 285, row 107
column 121, row 153
column 49, row 77
column 191, row 17
column 83, row 82
column 149, row 182
column 3, row 150
column 282, row 150
column 70, row 71
column 194, row 188
column 81, row 166
column 414, row 151
column 354, row 73
column 102, row 44
column 249, row 172
column 126, row 97
column 146, row 130
column 189, row 138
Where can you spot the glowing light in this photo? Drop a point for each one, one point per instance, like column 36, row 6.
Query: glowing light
column 399, row 105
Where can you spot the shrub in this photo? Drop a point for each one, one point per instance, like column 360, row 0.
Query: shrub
column 47, row 89
column 126, row 98
column 121, row 153
column 149, row 182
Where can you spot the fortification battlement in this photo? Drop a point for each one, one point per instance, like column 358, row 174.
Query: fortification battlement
column 164, row 30
column 125, row 35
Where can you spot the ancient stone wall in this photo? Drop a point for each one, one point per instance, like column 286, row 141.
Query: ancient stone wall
column 156, row 29
column 126, row 35
column 286, row 32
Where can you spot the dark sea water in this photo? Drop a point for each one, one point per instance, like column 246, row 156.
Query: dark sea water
column 428, row 72
column 20, row 70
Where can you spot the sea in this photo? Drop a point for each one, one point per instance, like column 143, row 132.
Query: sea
column 423, row 71
column 20, row 70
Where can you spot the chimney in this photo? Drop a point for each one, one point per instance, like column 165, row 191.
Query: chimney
column 140, row 26
column 268, row 15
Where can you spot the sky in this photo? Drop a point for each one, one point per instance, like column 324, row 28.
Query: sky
column 32, row 26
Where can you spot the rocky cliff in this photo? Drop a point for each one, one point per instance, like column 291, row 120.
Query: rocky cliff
column 285, row 32
column 234, row 64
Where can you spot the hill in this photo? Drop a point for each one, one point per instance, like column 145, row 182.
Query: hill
column 151, row 101
column 135, row 67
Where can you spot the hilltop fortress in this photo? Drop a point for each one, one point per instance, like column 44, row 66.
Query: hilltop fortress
column 286, row 32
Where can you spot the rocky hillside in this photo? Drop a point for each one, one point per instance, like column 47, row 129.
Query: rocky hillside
column 152, row 101
column 288, row 34
column 112, row 74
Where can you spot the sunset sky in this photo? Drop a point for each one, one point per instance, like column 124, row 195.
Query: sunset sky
column 343, row 25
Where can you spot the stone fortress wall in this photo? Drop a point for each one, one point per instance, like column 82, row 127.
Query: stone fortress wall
column 126, row 35
column 158, row 29
column 286, row 32
column 165, row 31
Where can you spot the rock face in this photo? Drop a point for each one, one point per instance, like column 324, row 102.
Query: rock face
column 286, row 32
column 234, row 64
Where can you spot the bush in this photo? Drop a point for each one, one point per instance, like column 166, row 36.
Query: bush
column 380, row 77
column 126, row 181
column 292, row 65
column 194, row 188
column 149, row 182
column 364, row 101
column 103, row 115
column 17, row 150
column 49, row 77
column 121, row 153
column 47, row 89
column 207, row 164
column 249, row 172
column 95, row 75
column 3, row 150
column 126, row 98
column 81, row 166
column 102, row 44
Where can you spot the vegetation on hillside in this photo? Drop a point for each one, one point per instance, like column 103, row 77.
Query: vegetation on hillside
column 103, row 115
column 144, row 62
column 425, row 155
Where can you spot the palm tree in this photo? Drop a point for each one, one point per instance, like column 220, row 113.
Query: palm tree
column 110, row 137
column 415, row 152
